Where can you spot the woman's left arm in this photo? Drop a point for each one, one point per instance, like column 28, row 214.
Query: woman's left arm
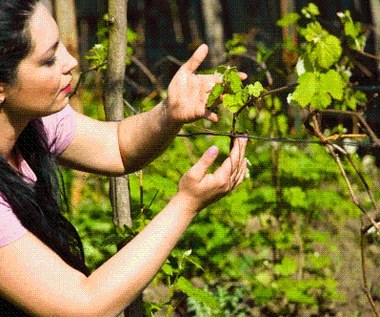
column 116, row 148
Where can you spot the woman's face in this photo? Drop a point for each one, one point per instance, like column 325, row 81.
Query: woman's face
column 43, row 78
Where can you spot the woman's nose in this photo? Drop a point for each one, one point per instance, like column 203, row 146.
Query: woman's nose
column 70, row 62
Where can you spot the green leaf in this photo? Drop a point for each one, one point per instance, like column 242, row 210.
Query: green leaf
column 324, row 48
column 305, row 91
column 216, row 92
column 168, row 269
column 288, row 19
column 353, row 30
column 313, row 32
column 287, row 267
column 199, row 295
column 298, row 296
column 282, row 122
column 318, row 90
column 295, row 196
column 319, row 261
column 263, row 295
column 238, row 50
column 328, row 51
column 234, row 80
column 310, row 11
column 255, row 90
column 304, row 65
column 265, row 278
column 221, row 69
column 333, row 84
column 237, row 43
column 229, row 102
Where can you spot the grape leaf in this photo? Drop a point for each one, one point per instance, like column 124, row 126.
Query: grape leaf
column 328, row 51
column 234, row 79
column 313, row 32
column 229, row 102
column 255, row 90
column 305, row 91
column 216, row 92
column 318, row 90
column 311, row 10
column 288, row 19
column 332, row 83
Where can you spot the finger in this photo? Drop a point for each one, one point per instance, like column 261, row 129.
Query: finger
column 199, row 170
column 211, row 116
column 238, row 173
column 238, row 152
column 242, row 174
column 243, row 76
column 196, row 59
column 229, row 167
column 217, row 79
column 209, row 81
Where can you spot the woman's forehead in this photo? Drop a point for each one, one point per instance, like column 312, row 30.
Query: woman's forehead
column 43, row 30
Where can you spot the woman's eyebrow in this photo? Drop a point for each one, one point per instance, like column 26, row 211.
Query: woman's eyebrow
column 52, row 48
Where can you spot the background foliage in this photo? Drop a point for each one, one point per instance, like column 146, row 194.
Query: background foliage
column 274, row 246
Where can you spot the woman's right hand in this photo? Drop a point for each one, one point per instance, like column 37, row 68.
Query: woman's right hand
column 199, row 188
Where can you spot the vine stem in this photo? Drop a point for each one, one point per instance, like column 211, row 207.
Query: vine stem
column 332, row 149
column 364, row 272
column 369, row 55
column 233, row 130
column 361, row 119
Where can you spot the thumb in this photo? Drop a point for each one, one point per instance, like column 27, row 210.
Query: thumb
column 200, row 168
column 196, row 59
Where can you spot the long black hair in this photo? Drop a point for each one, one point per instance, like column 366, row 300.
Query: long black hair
column 36, row 205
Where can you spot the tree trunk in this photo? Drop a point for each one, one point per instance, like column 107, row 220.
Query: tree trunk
column 64, row 12
column 49, row 5
column 114, row 109
column 212, row 12
column 66, row 17
column 375, row 10
column 289, row 57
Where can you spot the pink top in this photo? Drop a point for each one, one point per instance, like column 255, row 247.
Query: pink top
column 60, row 129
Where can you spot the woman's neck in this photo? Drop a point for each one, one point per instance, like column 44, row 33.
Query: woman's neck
column 10, row 131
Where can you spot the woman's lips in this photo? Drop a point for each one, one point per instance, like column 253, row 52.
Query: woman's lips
column 67, row 89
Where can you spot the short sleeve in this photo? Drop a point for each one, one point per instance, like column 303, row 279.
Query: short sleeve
column 11, row 228
column 60, row 129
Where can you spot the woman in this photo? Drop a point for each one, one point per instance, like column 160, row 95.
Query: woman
column 42, row 270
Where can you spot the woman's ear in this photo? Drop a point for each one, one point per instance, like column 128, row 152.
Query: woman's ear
column 2, row 94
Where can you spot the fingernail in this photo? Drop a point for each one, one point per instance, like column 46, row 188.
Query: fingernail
column 213, row 151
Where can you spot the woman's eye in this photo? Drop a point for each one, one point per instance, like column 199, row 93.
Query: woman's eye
column 50, row 62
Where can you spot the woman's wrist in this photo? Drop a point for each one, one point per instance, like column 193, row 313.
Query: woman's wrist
column 186, row 204
column 167, row 118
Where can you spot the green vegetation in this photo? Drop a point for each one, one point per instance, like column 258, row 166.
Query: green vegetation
column 269, row 248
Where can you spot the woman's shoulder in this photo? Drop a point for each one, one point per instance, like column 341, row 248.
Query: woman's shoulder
column 60, row 129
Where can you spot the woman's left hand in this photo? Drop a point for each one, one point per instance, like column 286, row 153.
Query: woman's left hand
column 188, row 92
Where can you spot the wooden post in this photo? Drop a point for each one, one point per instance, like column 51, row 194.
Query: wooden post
column 114, row 109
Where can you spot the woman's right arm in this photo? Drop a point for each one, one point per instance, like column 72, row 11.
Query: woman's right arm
column 36, row 279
